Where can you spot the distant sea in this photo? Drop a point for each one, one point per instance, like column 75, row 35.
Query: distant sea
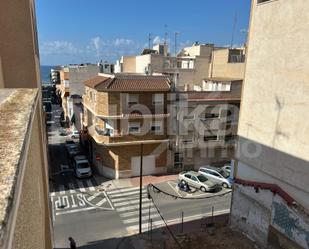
column 45, row 73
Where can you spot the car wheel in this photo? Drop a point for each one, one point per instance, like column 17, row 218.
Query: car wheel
column 225, row 185
column 183, row 181
column 203, row 189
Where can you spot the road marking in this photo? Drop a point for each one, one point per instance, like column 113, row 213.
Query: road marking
column 144, row 211
column 75, row 210
column 72, row 188
column 129, row 203
column 52, row 194
column 131, row 207
column 81, row 186
column 101, row 202
column 125, row 194
column 144, row 218
column 90, row 185
column 127, row 198
column 123, row 190
column 174, row 189
column 145, row 226
column 93, row 196
column 62, row 189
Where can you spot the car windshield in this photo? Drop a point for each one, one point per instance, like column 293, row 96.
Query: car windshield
column 224, row 173
column 202, row 178
column 70, row 142
column 82, row 165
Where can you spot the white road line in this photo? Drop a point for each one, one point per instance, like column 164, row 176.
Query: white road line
column 132, row 213
column 128, row 198
column 174, row 189
column 90, row 185
column 145, row 226
column 75, row 210
column 72, row 188
column 125, row 194
column 129, row 203
column 123, row 190
column 62, row 189
column 144, row 219
column 93, row 196
column 101, row 202
column 131, row 207
column 52, row 194
column 81, row 186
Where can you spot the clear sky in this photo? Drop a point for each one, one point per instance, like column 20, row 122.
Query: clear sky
column 77, row 31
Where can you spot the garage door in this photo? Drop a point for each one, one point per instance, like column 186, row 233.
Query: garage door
column 149, row 165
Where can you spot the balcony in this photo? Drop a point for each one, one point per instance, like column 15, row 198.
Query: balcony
column 107, row 132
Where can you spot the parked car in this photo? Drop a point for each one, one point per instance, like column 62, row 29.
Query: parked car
column 72, row 150
column 227, row 168
column 217, row 175
column 63, row 132
column 81, row 166
column 68, row 143
column 74, row 134
column 197, row 180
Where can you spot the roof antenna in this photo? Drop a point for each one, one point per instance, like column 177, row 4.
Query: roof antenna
column 234, row 27
column 176, row 34
column 149, row 40
column 165, row 34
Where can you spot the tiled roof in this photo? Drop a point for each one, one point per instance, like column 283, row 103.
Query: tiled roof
column 129, row 83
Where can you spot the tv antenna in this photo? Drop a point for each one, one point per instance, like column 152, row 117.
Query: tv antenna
column 234, row 27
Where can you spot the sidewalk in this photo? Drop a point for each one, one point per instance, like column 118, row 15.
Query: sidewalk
column 132, row 182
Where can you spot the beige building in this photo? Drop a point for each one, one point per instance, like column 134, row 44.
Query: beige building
column 271, row 198
column 71, row 86
column 204, row 124
column 121, row 112
column 190, row 67
column 25, row 221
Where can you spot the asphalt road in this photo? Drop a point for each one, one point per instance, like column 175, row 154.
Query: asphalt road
column 100, row 217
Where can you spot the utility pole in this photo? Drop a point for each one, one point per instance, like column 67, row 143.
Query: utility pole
column 140, row 190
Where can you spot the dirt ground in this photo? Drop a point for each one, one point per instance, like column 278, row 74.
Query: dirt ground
column 220, row 238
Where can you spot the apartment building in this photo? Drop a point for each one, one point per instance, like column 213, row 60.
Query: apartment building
column 271, row 195
column 124, row 114
column 71, row 89
column 204, row 124
column 25, row 218
column 190, row 67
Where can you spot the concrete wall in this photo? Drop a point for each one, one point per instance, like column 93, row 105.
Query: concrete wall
column 273, row 127
column 33, row 228
column 129, row 64
column 221, row 68
column 19, row 54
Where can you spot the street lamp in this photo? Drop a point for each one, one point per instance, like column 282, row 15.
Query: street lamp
column 140, row 190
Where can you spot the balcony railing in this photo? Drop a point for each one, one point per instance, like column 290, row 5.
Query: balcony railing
column 107, row 132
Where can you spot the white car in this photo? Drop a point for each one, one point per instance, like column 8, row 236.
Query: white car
column 74, row 134
column 197, row 180
column 217, row 175
column 81, row 166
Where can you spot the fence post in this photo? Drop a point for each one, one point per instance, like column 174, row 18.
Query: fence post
column 181, row 222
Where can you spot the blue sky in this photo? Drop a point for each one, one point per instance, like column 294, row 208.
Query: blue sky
column 77, row 31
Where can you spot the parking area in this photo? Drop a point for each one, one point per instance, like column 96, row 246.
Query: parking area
column 172, row 188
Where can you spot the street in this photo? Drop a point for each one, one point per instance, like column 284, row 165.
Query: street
column 98, row 213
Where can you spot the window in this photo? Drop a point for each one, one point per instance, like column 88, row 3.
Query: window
column 211, row 113
column 189, row 116
column 158, row 99
column 156, row 126
column 210, row 136
column 134, row 127
column 132, row 99
column 194, row 178
column 263, row 1
column 188, row 140
column 188, row 176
